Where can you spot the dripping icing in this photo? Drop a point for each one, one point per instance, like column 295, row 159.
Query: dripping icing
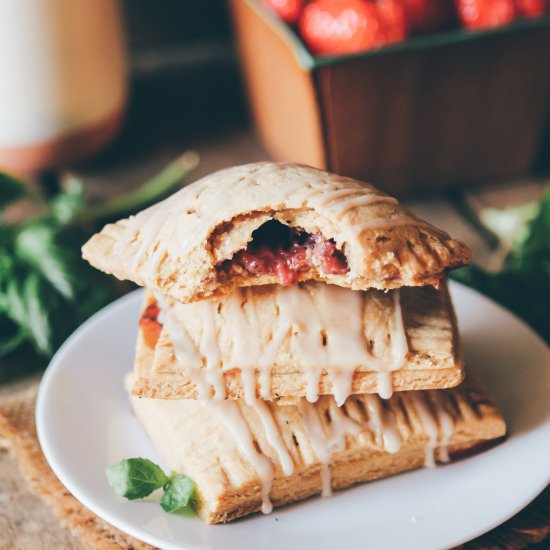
column 432, row 422
column 231, row 416
column 151, row 231
column 323, row 322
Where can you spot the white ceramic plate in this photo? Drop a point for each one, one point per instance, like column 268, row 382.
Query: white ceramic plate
column 84, row 424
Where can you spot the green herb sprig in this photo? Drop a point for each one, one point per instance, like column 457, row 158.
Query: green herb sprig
column 46, row 289
column 136, row 478
column 523, row 282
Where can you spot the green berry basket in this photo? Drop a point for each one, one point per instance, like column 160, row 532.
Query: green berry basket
column 448, row 108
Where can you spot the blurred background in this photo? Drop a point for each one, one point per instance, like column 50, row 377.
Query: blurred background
column 107, row 106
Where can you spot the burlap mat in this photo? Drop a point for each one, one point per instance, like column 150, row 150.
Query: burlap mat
column 18, row 431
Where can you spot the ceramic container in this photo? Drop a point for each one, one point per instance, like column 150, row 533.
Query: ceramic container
column 62, row 80
column 433, row 111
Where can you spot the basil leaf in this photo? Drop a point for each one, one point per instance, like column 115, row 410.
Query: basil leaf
column 180, row 494
column 534, row 255
column 11, row 336
column 135, row 478
column 35, row 306
column 11, row 189
column 39, row 246
column 52, row 289
column 6, row 271
column 158, row 187
column 67, row 204
column 523, row 284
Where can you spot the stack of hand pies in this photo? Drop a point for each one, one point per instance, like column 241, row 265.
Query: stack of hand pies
column 297, row 336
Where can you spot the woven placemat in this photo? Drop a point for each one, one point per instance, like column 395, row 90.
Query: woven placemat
column 17, row 429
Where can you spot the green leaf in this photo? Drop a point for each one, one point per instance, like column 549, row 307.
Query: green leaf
column 148, row 193
column 47, row 265
column 511, row 225
column 11, row 336
column 6, row 265
column 135, row 478
column 534, row 255
column 38, row 310
column 40, row 246
column 179, row 494
column 523, row 284
column 11, row 189
column 66, row 205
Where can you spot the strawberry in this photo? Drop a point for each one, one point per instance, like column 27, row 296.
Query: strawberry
column 341, row 26
column 392, row 17
column 287, row 10
column 484, row 14
column 531, row 8
column 427, row 15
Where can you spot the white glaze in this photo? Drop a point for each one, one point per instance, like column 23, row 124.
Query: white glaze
column 312, row 315
column 209, row 346
column 446, row 424
column 229, row 413
column 329, row 437
column 156, row 226
column 430, row 426
column 297, row 312
column 433, row 423
column 386, row 223
column 360, row 201
column 382, row 424
column 319, row 443
column 400, row 349
column 274, row 435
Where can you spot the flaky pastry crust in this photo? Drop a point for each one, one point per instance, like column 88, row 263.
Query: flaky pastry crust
column 181, row 247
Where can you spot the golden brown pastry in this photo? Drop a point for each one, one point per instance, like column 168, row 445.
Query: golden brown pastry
column 246, row 458
column 305, row 340
column 265, row 223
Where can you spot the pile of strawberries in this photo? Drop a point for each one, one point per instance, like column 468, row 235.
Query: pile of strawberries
column 347, row 26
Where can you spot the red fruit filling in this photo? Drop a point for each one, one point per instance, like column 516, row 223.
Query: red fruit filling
column 277, row 249
column 150, row 327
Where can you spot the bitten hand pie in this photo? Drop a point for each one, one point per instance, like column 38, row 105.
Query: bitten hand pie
column 268, row 223
column 245, row 458
column 304, row 340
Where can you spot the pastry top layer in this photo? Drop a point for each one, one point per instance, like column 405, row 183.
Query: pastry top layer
column 303, row 340
column 180, row 247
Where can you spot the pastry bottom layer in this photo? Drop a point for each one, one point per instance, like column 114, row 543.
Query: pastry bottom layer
column 352, row 443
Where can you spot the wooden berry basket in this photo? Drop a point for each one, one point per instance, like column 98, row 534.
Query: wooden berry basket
column 433, row 111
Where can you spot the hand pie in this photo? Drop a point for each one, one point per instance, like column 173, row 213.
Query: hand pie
column 245, row 458
column 268, row 223
column 304, row 340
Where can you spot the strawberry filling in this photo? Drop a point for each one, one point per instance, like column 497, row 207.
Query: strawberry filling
column 150, row 325
column 277, row 249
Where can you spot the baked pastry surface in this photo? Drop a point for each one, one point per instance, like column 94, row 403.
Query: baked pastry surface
column 273, row 342
column 190, row 246
column 244, row 458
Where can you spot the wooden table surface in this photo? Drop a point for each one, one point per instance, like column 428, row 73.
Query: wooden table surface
column 25, row 522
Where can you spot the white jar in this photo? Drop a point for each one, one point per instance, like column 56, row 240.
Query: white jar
column 62, row 80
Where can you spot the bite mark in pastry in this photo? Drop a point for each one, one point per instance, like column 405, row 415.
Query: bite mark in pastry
column 301, row 341
column 268, row 223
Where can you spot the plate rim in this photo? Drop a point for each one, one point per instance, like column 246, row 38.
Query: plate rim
column 143, row 535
